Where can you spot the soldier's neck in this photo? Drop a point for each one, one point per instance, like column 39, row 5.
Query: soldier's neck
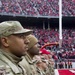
column 31, row 55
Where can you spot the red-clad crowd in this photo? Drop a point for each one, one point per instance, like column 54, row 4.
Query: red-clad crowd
column 30, row 7
column 68, row 10
column 68, row 42
column 52, row 35
column 9, row 7
column 37, row 7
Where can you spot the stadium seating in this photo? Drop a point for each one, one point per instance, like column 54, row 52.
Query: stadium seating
column 52, row 35
column 68, row 7
column 37, row 7
column 30, row 7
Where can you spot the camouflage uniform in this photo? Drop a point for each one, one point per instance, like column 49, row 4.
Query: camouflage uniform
column 40, row 72
column 29, row 65
column 47, row 71
column 9, row 63
column 51, row 69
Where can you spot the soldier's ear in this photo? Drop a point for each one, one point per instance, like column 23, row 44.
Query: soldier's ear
column 4, row 41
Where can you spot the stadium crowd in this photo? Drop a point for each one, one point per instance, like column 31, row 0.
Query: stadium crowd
column 68, row 44
column 37, row 7
column 52, row 35
column 68, row 10
column 30, row 7
column 9, row 7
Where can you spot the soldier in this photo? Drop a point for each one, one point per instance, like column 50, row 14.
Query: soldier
column 33, row 49
column 41, row 64
column 50, row 69
column 13, row 45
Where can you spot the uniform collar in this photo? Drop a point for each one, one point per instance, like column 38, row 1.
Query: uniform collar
column 11, row 57
column 29, row 59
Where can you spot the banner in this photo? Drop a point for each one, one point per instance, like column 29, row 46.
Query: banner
column 65, row 72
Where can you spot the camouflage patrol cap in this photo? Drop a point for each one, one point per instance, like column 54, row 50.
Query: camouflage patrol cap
column 12, row 27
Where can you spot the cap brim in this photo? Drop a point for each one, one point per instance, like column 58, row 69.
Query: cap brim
column 24, row 31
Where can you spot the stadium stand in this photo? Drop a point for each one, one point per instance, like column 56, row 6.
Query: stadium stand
column 68, row 46
column 52, row 35
column 37, row 7
column 68, row 10
column 9, row 7
column 30, row 7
